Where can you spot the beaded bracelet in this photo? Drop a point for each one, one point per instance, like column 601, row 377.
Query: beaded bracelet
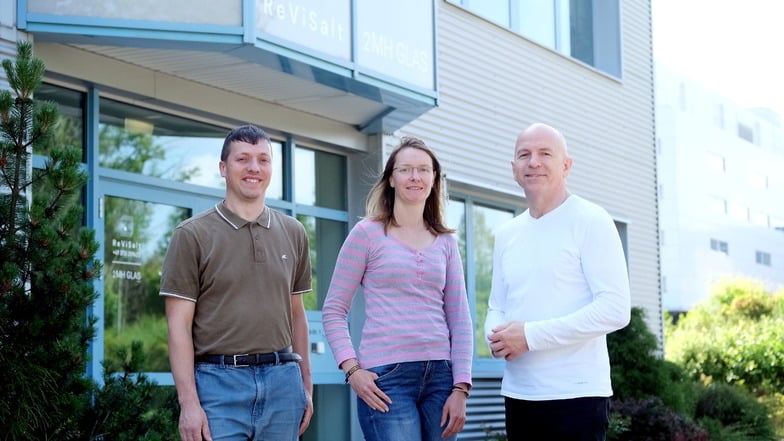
column 454, row 388
column 351, row 371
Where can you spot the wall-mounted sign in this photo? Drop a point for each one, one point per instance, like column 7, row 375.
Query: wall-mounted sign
column 396, row 39
column 392, row 39
column 323, row 25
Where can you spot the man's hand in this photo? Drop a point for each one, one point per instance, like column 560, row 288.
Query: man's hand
column 508, row 340
column 303, row 426
column 193, row 424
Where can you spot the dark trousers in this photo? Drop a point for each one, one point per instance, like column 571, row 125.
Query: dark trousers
column 576, row 419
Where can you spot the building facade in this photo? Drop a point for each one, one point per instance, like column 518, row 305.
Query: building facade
column 720, row 191
column 149, row 90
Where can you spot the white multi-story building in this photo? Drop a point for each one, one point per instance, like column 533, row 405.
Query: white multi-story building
column 721, row 191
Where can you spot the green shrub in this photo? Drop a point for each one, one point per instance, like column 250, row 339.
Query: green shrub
column 730, row 413
column 649, row 419
column 736, row 337
column 130, row 407
column 638, row 372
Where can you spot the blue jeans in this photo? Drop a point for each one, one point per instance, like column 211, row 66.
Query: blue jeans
column 418, row 391
column 263, row 402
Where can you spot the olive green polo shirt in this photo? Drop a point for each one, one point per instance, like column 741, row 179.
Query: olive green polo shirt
column 241, row 275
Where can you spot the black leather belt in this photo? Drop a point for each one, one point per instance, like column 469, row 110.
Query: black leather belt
column 240, row 360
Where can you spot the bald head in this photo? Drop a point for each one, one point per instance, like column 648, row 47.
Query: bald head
column 545, row 134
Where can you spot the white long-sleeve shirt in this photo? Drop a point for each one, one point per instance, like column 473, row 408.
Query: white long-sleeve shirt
column 564, row 275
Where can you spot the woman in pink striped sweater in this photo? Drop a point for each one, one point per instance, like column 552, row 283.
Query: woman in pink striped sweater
column 412, row 372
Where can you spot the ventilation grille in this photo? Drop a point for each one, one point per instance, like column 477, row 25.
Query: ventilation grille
column 485, row 412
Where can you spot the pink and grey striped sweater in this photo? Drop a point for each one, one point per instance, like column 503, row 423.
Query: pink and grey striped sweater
column 415, row 301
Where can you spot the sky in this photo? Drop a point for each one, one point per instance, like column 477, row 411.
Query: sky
column 732, row 47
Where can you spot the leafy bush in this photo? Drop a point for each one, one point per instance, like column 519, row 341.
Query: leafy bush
column 638, row 372
column 731, row 413
column 649, row 419
column 130, row 407
column 735, row 337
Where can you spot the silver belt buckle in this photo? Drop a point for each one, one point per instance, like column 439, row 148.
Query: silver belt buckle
column 235, row 360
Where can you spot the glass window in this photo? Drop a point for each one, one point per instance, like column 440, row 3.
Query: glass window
column 719, row 245
column 763, row 258
column 136, row 235
column 537, row 21
column 745, row 132
column 495, row 10
column 586, row 30
column 69, row 127
column 581, row 30
column 320, row 179
column 476, row 225
column 325, row 237
column 152, row 143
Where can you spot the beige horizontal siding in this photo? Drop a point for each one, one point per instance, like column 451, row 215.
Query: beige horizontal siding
column 493, row 83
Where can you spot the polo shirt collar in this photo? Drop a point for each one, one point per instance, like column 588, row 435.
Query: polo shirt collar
column 238, row 222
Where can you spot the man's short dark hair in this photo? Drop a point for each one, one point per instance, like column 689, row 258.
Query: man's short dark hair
column 247, row 133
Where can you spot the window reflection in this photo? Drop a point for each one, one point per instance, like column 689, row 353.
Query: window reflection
column 136, row 236
column 320, row 179
column 69, row 127
column 478, row 248
column 139, row 140
column 325, row 237
column 486, row 220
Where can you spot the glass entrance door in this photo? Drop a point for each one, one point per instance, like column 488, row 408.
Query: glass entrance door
column 137, row 224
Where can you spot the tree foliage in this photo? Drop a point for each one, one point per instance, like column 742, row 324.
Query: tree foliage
column 48, row 267
column 48, row 272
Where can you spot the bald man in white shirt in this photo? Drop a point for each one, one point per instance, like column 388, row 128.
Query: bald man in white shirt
column 560, row 285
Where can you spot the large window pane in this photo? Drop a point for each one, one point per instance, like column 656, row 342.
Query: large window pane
column 581, row 30
column 136, row 236
column 495, row 10
column 455, row 218
column 536, row 20
column 485, row 221
column 139, row 140
column 69, row 127
column 320, row 179
column 476, row 225
column 325, row 237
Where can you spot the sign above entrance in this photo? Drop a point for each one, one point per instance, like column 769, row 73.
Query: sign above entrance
column 391, row 39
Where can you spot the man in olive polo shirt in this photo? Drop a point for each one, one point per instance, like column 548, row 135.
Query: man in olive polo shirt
column 238, row 334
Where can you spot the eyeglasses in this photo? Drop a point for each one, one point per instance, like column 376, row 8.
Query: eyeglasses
column 408, row 170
